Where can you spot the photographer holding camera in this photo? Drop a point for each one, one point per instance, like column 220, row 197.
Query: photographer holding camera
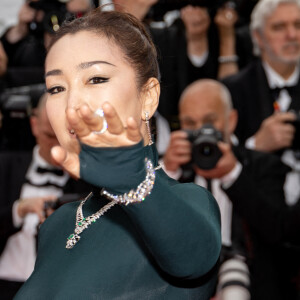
column 248, row 186
column 25, row 42
column 29, row 187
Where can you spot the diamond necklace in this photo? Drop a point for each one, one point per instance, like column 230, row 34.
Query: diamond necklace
column 137, row 195
column 83, row 223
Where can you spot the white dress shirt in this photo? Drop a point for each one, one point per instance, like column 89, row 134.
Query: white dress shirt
column 284, row 99
column 18, row 257
column 222, row 199
column 292, row 182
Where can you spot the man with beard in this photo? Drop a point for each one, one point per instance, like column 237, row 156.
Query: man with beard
column 266, row 95
column 265, row 92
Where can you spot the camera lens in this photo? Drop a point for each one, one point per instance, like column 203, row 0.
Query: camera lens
column 206, row 155
column 205, row 150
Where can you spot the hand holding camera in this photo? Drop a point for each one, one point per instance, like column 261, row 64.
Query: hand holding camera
column 224, row 165
column 35, row 205
column 276, row 132
column 204, row 148
column 179, row 151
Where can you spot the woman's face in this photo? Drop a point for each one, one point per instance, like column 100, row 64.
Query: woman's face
column 86, row 68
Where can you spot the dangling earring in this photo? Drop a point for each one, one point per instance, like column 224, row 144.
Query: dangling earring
column 148, row 128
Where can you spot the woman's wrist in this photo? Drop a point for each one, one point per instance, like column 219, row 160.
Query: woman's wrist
column 117, row 169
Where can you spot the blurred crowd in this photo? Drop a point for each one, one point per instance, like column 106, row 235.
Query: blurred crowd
column 228, row 120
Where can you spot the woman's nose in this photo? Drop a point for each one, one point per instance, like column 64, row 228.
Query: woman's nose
column 74, row 99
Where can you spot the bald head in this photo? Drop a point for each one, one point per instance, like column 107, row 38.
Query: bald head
column 204, row 90
column 206, row 101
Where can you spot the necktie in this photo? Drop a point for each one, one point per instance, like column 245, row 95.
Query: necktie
column 208, row 180
column 276, row 91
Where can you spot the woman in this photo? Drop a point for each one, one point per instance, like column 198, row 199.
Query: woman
column 101, row 76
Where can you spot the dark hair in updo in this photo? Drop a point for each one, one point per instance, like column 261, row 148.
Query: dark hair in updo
column 124, row 30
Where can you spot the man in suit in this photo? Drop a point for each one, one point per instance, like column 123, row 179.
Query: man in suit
column 266, row 94
column 28, row 180
column 266, row 91
column 248, row 186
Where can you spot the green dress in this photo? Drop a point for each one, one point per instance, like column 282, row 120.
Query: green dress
column 166, row 247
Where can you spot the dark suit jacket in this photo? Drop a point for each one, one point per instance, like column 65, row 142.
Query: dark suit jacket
column 260, row 221
column 253, row 99
column 13, row 168
column 257, row 191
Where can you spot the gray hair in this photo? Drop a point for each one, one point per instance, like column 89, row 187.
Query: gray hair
column 262, row 10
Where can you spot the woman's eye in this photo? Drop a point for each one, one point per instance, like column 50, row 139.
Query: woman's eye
column 55, row 90
column 97, row 80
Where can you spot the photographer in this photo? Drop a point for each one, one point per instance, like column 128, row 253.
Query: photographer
column 248, row 185
column 25, row 43
column 31, row 178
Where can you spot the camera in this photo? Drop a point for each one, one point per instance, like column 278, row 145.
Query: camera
column 55, row 14
column 296, row 141
column 17, row 102
column 159, row 9
column 16, row 105
column 205, row 150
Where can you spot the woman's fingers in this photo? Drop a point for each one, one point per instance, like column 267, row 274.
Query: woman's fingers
column 77, row 122
column 85, row 121
column 114, row 123
column 94, row 120
column 133, row 131
column 68, row 161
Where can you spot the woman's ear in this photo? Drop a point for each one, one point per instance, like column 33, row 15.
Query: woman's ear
column 150, row 97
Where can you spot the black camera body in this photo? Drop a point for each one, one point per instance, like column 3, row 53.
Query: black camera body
column 296, row 141
column 55, row 14
column 17, row 102
column 159, row 9
column 205, row 150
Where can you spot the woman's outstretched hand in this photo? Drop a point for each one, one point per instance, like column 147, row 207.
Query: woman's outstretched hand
column 85, row 123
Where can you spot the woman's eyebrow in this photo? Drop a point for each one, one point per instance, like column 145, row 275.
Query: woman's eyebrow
column 82, row 66
column 53, row 72
column 88, row 64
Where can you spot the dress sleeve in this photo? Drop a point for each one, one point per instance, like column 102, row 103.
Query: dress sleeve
column 179, row 223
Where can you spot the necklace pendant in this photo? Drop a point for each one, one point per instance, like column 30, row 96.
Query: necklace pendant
column 83, row 223
column 72, row 240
